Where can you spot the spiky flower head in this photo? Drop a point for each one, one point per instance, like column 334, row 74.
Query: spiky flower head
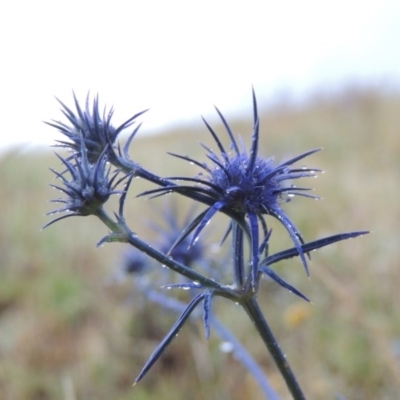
column 88, row 187
column 169, row 240
column 246, row 185
column 135, row 262
column 92, row 126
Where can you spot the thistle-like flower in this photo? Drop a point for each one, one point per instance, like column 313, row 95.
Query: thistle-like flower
column 244, row 186
column 92, row 126
column 247, row 186
column 134, row 262
column 169, row 243
column 167, row 238
column 89, row 186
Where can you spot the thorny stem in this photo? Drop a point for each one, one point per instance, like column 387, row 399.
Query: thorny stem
column 176, row 266
column 249, row 303
column 253, row 310
column 225, row 334
column 131, row 238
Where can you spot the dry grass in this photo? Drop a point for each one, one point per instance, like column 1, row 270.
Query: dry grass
column 66, row 334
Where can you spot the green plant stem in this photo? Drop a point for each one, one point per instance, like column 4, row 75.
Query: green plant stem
column 253, row 310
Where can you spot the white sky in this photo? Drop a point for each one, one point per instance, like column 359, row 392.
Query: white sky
column 181, row 57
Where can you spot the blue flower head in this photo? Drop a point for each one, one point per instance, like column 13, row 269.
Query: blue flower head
column 86, row 186
column 242, row 185
column 92, row 126
column 247, row 186
column 169, row 240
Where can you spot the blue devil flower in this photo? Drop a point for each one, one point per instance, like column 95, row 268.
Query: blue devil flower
column 246, row 186
column 91, row 125
column 86, row 186
column 241, row 184
column 167, row 240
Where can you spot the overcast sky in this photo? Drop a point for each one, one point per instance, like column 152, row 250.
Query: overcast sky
column 179, row 58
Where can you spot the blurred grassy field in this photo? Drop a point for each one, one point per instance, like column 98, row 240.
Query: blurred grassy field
column 67, row 333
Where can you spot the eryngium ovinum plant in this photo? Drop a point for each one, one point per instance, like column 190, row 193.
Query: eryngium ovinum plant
column 244, row 186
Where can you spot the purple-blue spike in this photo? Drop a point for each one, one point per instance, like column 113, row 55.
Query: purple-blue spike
column 256, row 135
column 255, row 108
column 206, row 219
column 187, row 230
column 254, row 149
column 123, row 196
column 254, row 248
column 207, row 312
column 129, row 141
column 195, row 180
column 238, row 255
column 59, row 218
column 69, row 166
column 310, row 196
column 170, row 336
column 308, row 247
column 67, row 112
column 78, row 108
column 214, row 135
column 230, row 133
column 294, row 235
column 226, row 234
column 214, row 159
column 129, row 122
column 299, row 157
column 184, row 286
column 273, row 275
column 289, row 189
column 264, row 243
column 191, row 160
column 304, row 170
column 177, row 189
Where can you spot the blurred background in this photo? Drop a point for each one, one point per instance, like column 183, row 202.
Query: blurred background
column 326, row 75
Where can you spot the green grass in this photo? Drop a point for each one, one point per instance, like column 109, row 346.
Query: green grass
column 65, row 333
